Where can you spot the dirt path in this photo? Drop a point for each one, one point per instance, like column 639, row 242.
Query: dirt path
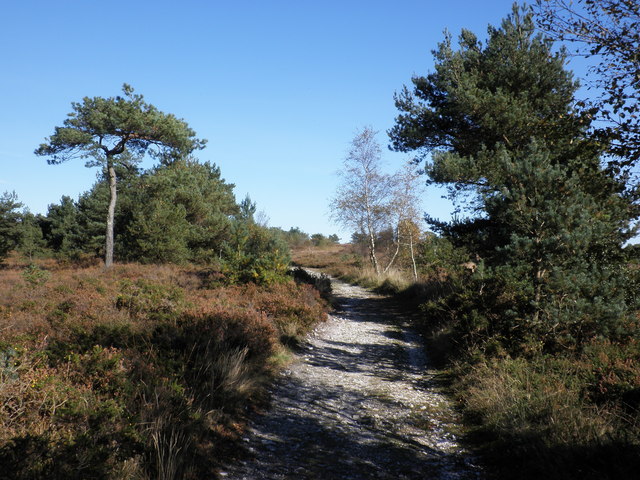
column 358, row 403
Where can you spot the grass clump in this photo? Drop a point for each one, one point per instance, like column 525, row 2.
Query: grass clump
column 538, row 418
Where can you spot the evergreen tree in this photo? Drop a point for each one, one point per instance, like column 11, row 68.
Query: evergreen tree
column 61, row 226
column 116, row 132
column 561, row 252
column 296, row 238
column 9, row 223
column 158, row 232
column 91, row 220
column 486, row 98
column 32, row 242
column 502, row 93
column 499, row 121
column 179, row 212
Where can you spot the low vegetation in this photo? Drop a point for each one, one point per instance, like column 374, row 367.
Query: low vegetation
column 143, row 365
column 528, row 297
column 140, row 372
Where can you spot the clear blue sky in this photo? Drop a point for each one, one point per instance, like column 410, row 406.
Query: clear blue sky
column 279, row 88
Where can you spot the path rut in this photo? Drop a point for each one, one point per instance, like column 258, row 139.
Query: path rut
column 359, row 402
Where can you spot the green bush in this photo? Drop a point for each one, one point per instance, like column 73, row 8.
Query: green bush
column 255, row 254
column 34, row 275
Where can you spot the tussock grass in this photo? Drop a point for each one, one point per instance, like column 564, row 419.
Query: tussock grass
column 537, row 418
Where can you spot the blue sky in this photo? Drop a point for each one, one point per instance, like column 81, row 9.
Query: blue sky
column 278, row 88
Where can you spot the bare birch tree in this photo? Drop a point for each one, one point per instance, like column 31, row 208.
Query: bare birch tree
column 363, row 198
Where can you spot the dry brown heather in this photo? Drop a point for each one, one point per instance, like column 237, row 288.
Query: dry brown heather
column 136, row 372
column 331, row 256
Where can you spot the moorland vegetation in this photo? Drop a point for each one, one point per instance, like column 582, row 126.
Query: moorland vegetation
column 528, row 299
column 148, row 368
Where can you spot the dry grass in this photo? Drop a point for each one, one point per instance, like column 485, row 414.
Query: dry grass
column 541, row 417
column 327, row 258
column 342, row 261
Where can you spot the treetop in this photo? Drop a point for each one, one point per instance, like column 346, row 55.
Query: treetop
column 102, row 128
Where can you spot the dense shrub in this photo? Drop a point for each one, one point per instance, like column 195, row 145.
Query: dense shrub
column 254, row 254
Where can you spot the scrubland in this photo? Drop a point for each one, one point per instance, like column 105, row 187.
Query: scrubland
column 136, row 372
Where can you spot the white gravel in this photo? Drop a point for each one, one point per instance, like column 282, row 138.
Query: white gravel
column 359, row 402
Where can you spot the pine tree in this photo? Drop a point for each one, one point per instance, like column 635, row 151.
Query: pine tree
column 116, row 132
column 499, row 122
column 179, row 212
column 61, row 226
column 32, row 242
column 9, row 223
column 561, row 251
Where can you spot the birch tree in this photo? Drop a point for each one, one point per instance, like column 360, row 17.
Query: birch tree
column 363, row 198
column 405, row 211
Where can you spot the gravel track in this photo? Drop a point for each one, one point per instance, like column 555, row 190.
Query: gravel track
column 358, row 402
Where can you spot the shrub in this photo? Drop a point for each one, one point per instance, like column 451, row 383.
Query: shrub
column 142, row 297
column 142, row 373
column 255, row 255
column 34, row 275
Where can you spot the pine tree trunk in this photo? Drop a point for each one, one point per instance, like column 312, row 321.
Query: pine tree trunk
column 113, row 194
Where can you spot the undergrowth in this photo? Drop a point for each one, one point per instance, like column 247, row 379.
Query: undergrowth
column 534, row 412
column 139, row 372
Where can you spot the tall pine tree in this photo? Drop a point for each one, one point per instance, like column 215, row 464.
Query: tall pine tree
column 498, row 121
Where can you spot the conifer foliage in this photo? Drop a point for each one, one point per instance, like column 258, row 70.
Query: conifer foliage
column 114, row 132
column 9, row 226
column 498, row 120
